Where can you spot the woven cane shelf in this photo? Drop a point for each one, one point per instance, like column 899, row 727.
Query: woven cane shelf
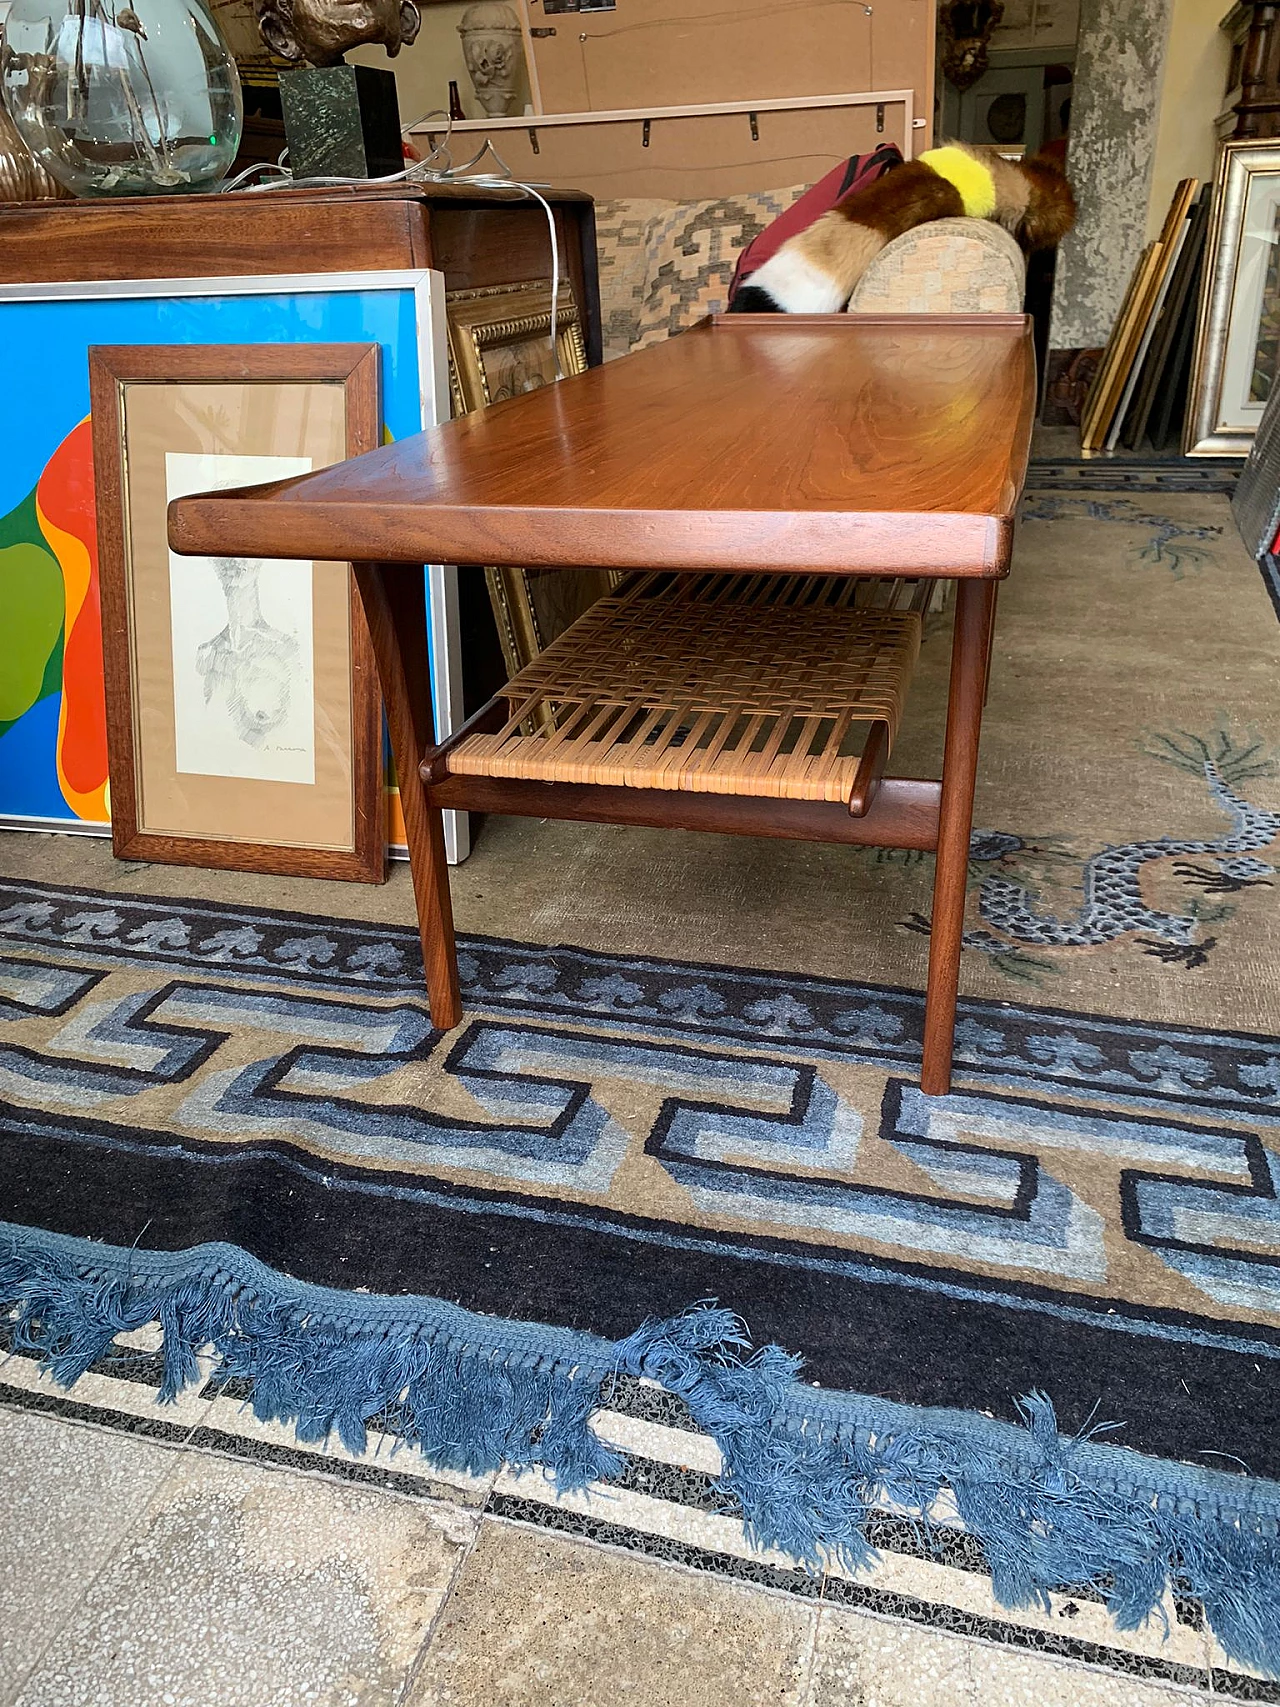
column 760, row 685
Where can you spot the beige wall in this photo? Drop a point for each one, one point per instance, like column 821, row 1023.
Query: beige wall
column 672, row 52
column 423, row 71
column 1195, row 75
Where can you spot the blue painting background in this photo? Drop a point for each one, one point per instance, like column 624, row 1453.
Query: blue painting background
column 46, row 393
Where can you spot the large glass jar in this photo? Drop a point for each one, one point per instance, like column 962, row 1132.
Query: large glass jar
column 119, row 99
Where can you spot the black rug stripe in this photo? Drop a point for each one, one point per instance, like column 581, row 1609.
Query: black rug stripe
column 920, row 1348
column 1134, row 474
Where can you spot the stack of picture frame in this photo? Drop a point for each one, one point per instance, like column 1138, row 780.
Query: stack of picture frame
column 1193, row 355
column 1128, row 356
column 1160, row 398
column 120, row 717
column 501, row 344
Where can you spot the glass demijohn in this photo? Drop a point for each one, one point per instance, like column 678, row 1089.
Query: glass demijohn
column 122, row 99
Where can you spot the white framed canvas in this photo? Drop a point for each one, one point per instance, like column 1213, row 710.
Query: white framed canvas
column 1238, row 328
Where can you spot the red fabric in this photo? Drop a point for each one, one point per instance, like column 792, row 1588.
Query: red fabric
column 840, row 183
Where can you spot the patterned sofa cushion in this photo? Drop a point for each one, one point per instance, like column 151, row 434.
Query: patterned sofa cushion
column 693, row 250
column 950, row 266
column 665, row 264
column 622, row 252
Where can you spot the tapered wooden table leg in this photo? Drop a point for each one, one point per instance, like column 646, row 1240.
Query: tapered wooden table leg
column 970, row 649
column 394, row 598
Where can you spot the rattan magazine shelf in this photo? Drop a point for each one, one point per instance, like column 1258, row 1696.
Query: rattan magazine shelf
column 770, row 686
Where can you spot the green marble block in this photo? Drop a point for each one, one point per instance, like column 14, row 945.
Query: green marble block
column 341, row 121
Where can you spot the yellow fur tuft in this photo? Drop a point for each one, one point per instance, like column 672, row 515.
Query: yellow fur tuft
column 972, row 179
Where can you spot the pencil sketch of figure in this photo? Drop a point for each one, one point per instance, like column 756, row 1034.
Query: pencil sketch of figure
column 251, row 666
column 243, row 642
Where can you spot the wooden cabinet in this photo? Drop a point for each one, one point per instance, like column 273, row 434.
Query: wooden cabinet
column 474, row 237
column 1251, row 107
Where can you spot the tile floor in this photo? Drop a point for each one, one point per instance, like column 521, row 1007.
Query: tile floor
column 136, row 1572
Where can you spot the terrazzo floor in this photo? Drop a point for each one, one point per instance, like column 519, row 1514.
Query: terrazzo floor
column 140, row 1573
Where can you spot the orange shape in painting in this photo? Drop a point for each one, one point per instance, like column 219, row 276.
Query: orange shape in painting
column 68, row 520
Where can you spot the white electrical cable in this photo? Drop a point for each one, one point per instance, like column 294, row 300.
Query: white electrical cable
column 424, row 172
column 555, row 275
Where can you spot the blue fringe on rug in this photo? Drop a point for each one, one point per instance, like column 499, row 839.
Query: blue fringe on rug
column 806, row 1466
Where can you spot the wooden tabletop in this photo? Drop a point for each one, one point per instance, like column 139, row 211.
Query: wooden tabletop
column 843, row 443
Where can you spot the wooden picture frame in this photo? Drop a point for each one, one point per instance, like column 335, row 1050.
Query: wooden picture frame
column 1238, row 325
column 1172, row 240
column 500, row 346
column 257, row 745
column 1126, row 350
column 1109, row 378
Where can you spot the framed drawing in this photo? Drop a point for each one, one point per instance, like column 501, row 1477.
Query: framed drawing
column 1238, row 329
column 244, row 720
column 53, row 752
column 499, row 346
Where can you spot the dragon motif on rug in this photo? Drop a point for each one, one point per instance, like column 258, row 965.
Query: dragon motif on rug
column 1112, row 904
column 1166, row 537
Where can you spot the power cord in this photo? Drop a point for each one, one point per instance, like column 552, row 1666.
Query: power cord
column 436, row 168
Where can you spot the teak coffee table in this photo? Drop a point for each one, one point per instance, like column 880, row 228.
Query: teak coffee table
column 749, row 469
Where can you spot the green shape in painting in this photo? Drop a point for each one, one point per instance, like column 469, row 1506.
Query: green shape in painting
column 31, row 611
column 22, row 523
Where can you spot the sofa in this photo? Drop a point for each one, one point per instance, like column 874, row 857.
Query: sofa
column 664, row 264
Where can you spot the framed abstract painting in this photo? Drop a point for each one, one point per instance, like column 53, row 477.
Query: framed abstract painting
column 53, row 724
column 244, row 722
column 1238, row 329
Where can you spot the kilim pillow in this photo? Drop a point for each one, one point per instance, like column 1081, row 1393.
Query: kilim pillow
column 693, row 250
column 950, row 266
column 622, row 252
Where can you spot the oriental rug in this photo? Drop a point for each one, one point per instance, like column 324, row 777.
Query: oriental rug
column 238, row 1123
column 580, row 1243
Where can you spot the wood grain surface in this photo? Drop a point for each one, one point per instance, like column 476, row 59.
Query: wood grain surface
column 970, row 659
column 842, row 444
column 396, row 608
column 247, row 233
column 903, row 813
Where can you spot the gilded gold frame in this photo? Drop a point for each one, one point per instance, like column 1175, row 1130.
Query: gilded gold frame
column 497, row 317
column 481, row 323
